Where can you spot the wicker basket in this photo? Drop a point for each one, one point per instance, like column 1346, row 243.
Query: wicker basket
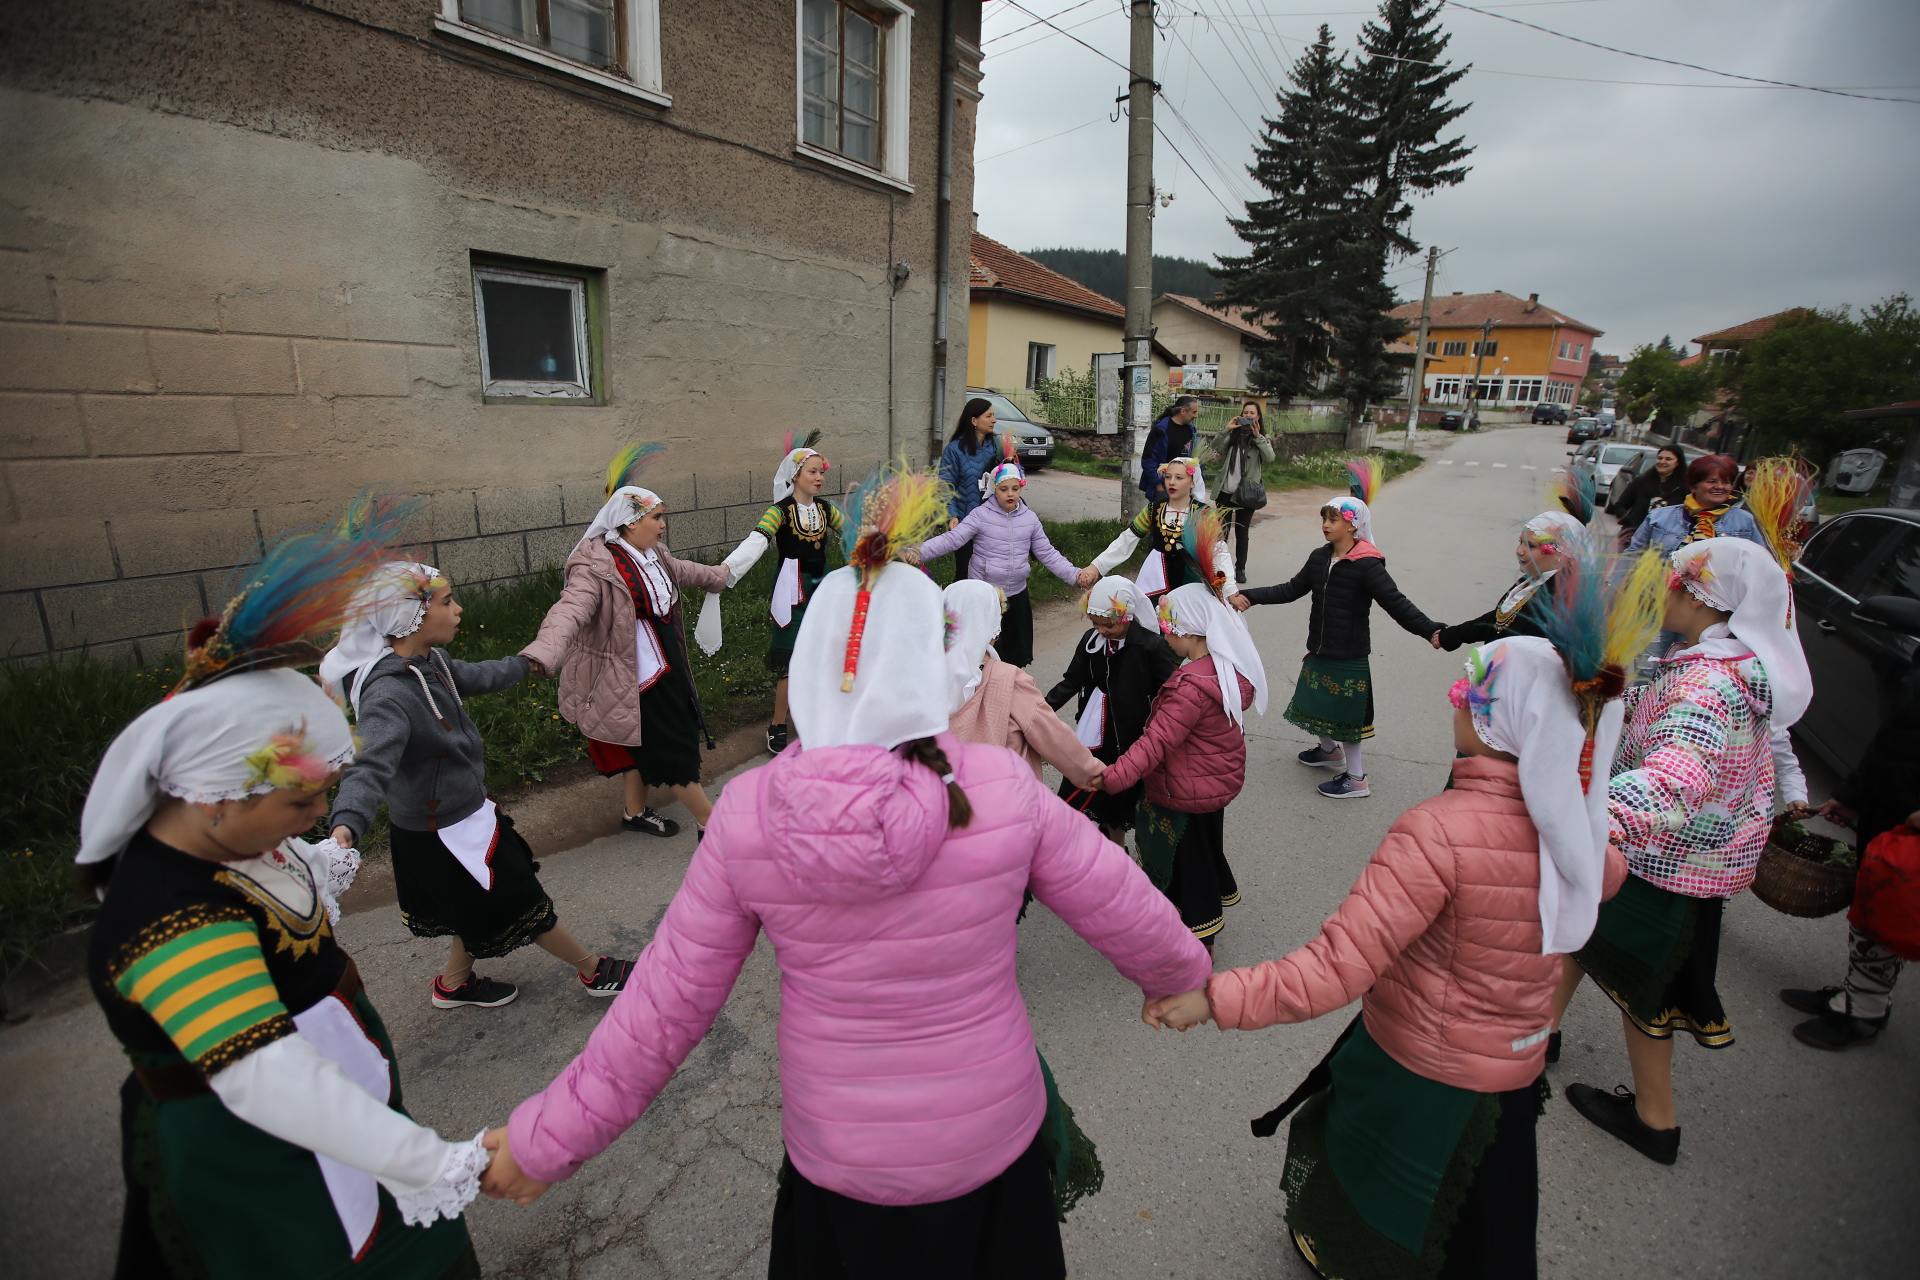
column 1799, row 886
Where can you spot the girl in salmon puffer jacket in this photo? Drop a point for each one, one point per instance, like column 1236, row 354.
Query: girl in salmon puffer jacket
column 913, row 1093
column 1414, row 1151
column 1193, row 756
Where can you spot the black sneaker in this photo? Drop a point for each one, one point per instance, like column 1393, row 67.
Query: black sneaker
column 649, row 823
column 1315, row 758
column 1810, row 1001
column 776, row 738
column 1839, row 1031
column 609, row 977
column 476, row 992
column 1553, row 1047
column 1615, row 1113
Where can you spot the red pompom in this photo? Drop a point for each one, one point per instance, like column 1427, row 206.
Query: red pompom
column 201, row 632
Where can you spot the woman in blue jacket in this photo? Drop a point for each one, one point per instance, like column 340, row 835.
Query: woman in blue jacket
column 1708, row 512
column 971, row 452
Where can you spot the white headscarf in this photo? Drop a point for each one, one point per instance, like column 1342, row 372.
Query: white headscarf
column 1117, row 597
column 1193, row 469
column 1745, row 580
column 1553, row 526
column 628, row 503
column 789, row 468
column 1358, row 516
column 1192, row 610
column 973, row 610
column 391, row 604
column 240, row 736
column 1530, row 713
column 894, row 698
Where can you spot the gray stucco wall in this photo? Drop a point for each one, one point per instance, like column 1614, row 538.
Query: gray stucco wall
column 235, row 246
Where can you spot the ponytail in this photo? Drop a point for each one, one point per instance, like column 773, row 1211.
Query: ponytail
column 926, row 751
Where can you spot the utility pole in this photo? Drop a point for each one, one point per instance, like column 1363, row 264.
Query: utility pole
column 1473, row 390
column 1418, row 385
column 1136, row 372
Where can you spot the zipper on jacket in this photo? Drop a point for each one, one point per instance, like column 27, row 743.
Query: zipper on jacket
column 1324, row 588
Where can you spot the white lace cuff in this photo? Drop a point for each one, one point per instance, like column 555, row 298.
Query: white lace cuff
column 448, row 1195
column 339, row 866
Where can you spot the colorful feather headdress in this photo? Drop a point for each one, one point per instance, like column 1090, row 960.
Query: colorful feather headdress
column 633, row 458
column 1203, row 531
column 1367, row 474
column 894, row 509
column 1600, row 623
column 300, row 589
column 804, row 446
column 1575, row 492
column 1778, row 490
column 1008, row 468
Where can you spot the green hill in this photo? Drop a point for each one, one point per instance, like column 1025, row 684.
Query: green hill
column 1105, row 272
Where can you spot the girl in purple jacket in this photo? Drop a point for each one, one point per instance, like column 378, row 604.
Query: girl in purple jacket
column 1004, row 533
column 913, row 1095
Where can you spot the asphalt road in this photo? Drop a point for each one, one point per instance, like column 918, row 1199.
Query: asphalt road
column 1794, row 1162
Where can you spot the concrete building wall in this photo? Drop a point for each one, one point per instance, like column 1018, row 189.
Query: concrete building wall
column 236, row 290
column 1001, row 329
column 1182, row 331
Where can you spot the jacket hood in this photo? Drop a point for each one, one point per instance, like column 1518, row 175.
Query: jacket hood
column 1362, row 550
column 853, row 824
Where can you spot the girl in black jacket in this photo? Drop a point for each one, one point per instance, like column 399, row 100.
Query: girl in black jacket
column 1334, row 696
column 1664, row 484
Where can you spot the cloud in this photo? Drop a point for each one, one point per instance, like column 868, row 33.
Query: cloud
column 1639, row 208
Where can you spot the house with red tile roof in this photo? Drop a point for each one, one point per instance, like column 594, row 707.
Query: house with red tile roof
column 1027, row 322
column 1205, row 331
column 1724, row 342
column 1531, row 353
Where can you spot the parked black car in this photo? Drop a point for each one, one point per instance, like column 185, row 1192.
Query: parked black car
column 1031, row 439
column 1857, row 658
column 1551, row 413
column 1454, row 420
column 1582, row 430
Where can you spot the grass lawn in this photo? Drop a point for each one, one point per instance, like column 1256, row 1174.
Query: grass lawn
column 1833, row 504
column 58, row 716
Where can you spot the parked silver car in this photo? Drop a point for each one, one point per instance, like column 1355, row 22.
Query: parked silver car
column 1602, row 460
column 1032, row 439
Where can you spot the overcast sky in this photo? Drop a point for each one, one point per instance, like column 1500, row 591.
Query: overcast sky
column 1638, row 207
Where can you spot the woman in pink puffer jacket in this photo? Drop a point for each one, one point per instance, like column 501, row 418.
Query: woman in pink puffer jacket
column 1193, row 756
column 1416, row 1143
column 908, row 1067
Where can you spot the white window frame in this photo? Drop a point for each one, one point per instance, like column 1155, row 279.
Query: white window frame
column 582, row 338
column 639, row 52
column 896, row 97
column 1040, row 362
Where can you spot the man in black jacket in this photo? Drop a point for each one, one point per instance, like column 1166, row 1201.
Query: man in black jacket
column 1334, row 697
column 1169, row 438
column 1117, row 668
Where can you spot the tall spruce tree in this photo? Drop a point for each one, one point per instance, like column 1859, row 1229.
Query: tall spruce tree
column 1299, row 239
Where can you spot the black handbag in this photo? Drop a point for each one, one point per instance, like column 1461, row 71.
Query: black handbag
column 1251, row 493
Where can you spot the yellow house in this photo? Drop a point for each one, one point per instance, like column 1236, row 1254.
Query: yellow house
column 1027, row 322
column 1532, row 352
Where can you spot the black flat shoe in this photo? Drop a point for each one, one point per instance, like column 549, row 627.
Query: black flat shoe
column 776, row 739
column 1615, row 1113
column 649, row 823
column 1839, row 1031
column 1553, row 1047
column 1809, row 1001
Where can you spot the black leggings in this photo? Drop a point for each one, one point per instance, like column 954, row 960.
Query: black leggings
column 1239, row 522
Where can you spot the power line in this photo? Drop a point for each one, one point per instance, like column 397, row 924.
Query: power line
column 1069, row 35
column 1017, row 30
column 1182, row 158
column 1691, row 66
column 1037, row 141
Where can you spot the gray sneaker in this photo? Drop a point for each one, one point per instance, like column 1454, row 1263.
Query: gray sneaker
column 1345, row 787
column 1315, row 758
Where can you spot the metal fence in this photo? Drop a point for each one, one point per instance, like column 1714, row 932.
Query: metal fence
column 1068, row 402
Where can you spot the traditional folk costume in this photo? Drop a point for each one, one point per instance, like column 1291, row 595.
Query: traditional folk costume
column 995, row 702
column 262, row 1127
column 800, row 532
column 1518, row 612
column 1116, row 682
column 1181, row 544
column 915, row 1144
column 1333, row 698
column 460, row 869
column 1691, row 797
column 1192, row 758
column 1413, row 1154
column 617, row 636
column 1003, row 541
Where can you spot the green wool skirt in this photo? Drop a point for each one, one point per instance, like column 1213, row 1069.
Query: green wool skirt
column 210, row 1196
column 1334, row 698
column 1392, row 1176
column 779, row 654
column 1656, row 954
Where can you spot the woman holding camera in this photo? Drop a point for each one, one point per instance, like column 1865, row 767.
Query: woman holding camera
column 1242, row 452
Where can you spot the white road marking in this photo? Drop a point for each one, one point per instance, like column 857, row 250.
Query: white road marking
column 1445, row 462
column 1500, row 464
column 1472, row 464
column 1527, row 466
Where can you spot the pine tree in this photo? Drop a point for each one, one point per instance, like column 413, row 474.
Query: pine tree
column 1290, row 279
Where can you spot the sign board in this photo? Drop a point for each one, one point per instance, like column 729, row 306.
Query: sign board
column 1198, row 377
column 1106, row 393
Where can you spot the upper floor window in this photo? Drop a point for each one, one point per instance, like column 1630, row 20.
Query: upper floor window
column 854, row 61
column 612, row 43
column 1454, row 349
column 1486, row 348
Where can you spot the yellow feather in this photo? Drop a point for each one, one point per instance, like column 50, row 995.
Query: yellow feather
column 1638, row 604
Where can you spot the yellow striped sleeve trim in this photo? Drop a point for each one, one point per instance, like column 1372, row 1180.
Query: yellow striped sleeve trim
column 163, row 963
column 234, row 973
column 264, row 1002
column 769, row 523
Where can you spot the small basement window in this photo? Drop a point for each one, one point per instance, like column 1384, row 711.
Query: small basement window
column 535, row 336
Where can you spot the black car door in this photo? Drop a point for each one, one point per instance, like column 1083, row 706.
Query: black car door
column 1842, row 653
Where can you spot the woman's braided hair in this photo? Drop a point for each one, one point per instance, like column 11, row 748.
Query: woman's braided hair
column 926, row 751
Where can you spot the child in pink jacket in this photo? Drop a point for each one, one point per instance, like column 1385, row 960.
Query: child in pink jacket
column 885, row 861
column 1414, row 1150
column 1193, row 756
column 997, row 703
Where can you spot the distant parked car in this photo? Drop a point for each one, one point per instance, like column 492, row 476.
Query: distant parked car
column 1616, row 495
column 1032, row 440
column 1547, row 412
column 1582, row 430
column 1857, row 575
column 1453, row 420
column 1604, row 460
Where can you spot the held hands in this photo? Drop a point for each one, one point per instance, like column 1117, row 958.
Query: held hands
column 1096, row 783
column 342, row 836
column 1834, row 811
column 537, row 669
column 1087, row 577
column 1800, row 810
column 952, row 524
column 1239, row 601
column 1182, row 1012
column 503, row 1179
column 1434, row 639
